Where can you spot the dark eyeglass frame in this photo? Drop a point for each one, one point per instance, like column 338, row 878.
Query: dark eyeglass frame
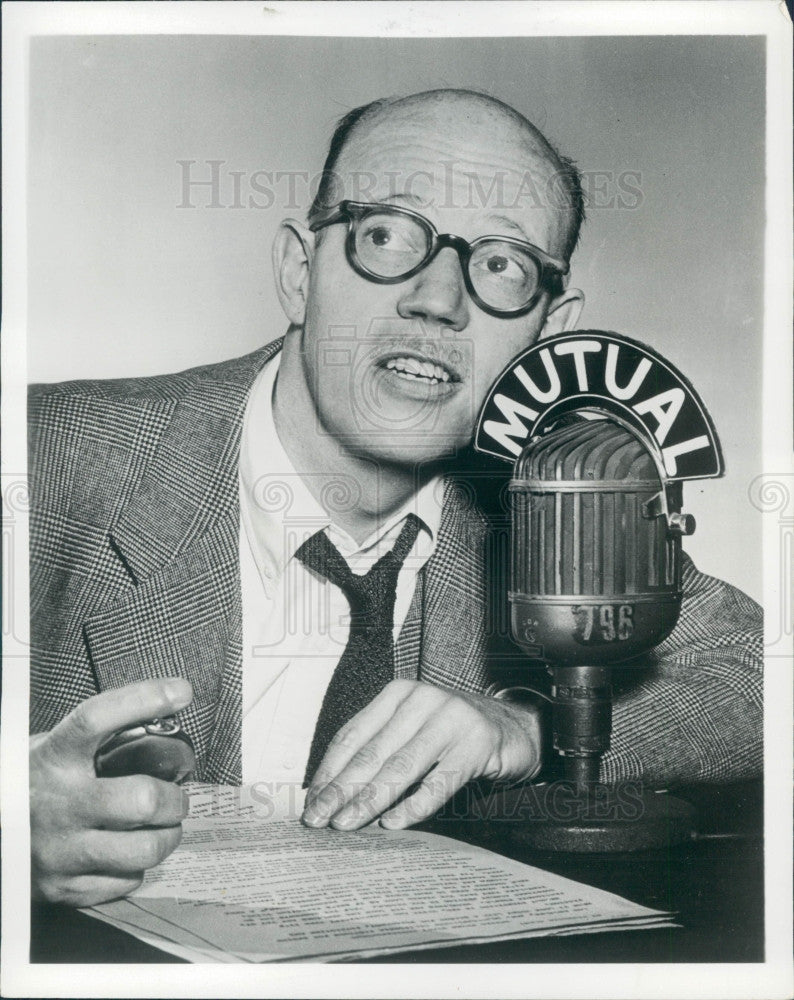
column 353, row 212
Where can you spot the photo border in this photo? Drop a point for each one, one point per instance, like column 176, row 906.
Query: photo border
column 408, row 20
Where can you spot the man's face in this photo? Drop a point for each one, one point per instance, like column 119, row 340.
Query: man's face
column 398, row 372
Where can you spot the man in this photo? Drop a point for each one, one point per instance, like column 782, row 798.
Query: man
column 157, row 561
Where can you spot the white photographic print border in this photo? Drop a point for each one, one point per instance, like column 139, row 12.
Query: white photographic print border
column 772, row 492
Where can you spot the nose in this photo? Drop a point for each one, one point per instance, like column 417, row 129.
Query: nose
column 437, row 294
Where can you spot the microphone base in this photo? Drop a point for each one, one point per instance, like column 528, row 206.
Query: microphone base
column 603, row 819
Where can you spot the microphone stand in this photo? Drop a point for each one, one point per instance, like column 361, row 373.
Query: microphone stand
column 582, row 720
column 581, row 814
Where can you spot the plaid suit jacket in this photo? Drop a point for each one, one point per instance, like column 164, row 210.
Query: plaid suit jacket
column 135, row 574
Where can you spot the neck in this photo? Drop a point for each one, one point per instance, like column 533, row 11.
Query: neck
column 357, row 492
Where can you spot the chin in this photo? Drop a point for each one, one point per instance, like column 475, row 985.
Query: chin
column 409, row 450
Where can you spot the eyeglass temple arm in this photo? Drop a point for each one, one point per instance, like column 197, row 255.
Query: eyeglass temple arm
column 328, row 216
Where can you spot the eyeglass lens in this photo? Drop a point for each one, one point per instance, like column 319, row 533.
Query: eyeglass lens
column 389, row 245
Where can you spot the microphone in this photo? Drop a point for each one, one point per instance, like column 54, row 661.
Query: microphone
column 595, row 571
column 601, row 431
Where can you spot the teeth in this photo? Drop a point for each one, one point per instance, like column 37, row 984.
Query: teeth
column 414, row 368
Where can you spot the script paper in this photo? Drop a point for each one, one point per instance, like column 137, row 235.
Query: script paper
column 255, row 887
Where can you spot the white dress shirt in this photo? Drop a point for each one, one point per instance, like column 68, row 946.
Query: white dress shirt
column 295, row 624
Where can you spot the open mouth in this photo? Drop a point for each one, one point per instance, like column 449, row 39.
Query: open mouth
column 418, row 369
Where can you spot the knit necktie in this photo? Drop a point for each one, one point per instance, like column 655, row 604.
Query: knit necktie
column 367, row 663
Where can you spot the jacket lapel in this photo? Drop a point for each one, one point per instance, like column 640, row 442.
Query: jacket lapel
column 178, row 621
column 179, row 538
column 191, row 483
column 454, row 623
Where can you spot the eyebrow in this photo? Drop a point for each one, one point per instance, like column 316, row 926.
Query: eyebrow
column 412, row 199
column 511, row 224
column 498, row 220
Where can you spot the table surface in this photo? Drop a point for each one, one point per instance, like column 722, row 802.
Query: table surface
column 714, row 884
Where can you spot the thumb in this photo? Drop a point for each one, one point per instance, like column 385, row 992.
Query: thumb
column 78, row 736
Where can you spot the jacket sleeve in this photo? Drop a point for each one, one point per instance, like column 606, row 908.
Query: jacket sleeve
column 693, row 711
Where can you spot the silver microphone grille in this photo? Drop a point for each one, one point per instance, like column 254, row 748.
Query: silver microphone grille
column 591, row 557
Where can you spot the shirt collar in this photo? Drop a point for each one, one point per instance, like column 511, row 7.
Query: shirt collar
column 279, row 512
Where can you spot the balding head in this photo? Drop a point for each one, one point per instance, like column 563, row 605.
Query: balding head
column 470, row 132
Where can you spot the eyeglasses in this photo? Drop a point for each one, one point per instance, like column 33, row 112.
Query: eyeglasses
column 388, row 244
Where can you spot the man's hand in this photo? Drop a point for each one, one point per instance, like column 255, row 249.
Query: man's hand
column 92, row 838
column 414, row 732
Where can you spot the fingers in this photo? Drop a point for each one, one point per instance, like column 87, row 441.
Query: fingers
column 86, row 890
column 436, row 788
column 103, row 852
column 94, row 720
column 126, row 803
column 352, row 800
column 100, row 865
column 409, row 762
column 359, row 731
column 114, row 853
column 379, row 771
column 435, row 739
column 92, row 837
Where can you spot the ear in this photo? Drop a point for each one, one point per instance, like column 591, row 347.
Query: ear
column 563, row 312
column 293, row 248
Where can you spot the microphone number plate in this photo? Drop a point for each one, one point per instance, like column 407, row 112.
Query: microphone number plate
column 602, row 623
